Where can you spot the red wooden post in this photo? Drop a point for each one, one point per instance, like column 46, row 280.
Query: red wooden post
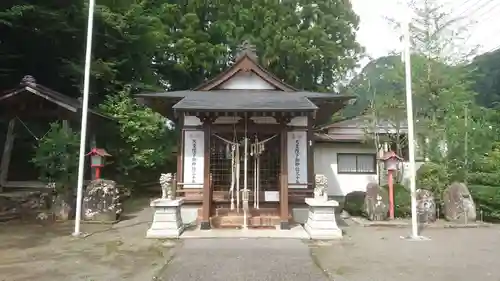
column 97, row 173
column 391, row 193
column 391, row 161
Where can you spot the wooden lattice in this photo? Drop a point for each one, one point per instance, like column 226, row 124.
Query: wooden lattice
column 220, row 164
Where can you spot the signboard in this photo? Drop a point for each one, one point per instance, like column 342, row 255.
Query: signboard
column 297, row 159
column 194, row 150
column 271, row 196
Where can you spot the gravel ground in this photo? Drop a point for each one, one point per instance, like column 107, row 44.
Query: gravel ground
column 379, row 254
column 30, row 251
column 243, row 259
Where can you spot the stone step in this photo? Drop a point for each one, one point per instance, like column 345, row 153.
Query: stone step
column 252, row 212
column 237, row 221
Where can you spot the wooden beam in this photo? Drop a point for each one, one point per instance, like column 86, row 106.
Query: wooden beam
column 180, row 153
column 7, row 153
column 207, row 192
column 45, row 96
column 284, row 212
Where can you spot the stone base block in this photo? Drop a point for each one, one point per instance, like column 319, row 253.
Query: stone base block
column 167, row 221
column 164, row 233
column 323, row 234
column 321, row 222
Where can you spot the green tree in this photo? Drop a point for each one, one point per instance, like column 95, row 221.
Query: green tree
column 56, row 157
column 309, row 45
column 444, row 100
column 158, row 45
column 142, row 144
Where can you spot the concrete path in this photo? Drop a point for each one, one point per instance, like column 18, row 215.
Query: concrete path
column 242, row 260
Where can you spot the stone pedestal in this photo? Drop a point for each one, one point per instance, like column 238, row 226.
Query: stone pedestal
column 167, row 221
column 321, row 223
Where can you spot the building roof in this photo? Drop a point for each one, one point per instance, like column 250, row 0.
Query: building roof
column 361, row 122
column 210, row 96
column 355, row 129
column 246, row 60
column 28, row 84
column 245, row 100
column 186, row 93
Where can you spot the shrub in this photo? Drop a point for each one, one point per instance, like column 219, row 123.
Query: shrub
column 434, row 177
column 487, row 200
column 402, row 200
column 56, row 157
column 484, row 184
column 353, row 203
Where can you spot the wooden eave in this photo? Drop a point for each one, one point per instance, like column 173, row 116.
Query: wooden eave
column 71, row 104
column 245, row 63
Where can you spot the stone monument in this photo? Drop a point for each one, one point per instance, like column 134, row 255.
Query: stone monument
column 101, row 201
column 459, row 206
column 426, row 206
column 321, row 222
column 376, row 203
column 167, row 220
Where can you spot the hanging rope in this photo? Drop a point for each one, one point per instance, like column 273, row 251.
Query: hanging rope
column 233, row 168
column 225, row 140
column 237, row 172
column 256, row 150
column 31, row 132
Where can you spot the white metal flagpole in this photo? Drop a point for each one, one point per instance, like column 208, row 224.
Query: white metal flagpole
column 411, row 133
column 85, row 105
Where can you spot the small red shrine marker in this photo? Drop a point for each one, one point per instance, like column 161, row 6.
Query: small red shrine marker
column 391, row 161
column 97, row 160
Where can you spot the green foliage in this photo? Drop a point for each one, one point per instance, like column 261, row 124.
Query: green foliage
column 142, row 139
column 485, row 73
column 174, row 45
column 443, row 93
column 56, row 157
column 402, row 200
column 152, row 44
column 433, row 177
column 487, row 200
column 354, row 202
column 484, row 184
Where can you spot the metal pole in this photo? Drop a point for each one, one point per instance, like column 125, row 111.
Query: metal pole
column 85, row 105
column 411, row 133
column 466, row 143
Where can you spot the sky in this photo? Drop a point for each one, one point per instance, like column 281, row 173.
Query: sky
column 482, row 17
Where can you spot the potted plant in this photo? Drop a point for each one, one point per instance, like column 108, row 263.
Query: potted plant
column 56, row 158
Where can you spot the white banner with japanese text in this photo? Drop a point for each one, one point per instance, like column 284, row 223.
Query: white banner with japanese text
column 297, row 159
column 194, row 151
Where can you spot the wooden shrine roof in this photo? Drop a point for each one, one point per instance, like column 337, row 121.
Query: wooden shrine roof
column 28, row 85
column 209, row 96
column 245, row 101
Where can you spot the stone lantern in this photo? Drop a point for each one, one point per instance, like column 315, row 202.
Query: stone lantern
column 97, row 160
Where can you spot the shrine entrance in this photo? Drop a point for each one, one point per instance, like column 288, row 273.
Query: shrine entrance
column 261, row 174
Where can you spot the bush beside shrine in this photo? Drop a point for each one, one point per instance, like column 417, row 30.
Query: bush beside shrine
column 353, row 203
column 433, row 177
column 487, row 200
column 402, row 200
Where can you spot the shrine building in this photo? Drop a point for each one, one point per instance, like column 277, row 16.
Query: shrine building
column 247, row 145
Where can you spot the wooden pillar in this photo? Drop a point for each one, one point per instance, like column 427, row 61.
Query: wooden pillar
column 284, row 212
column 7, row 153
column 180, row 151
column 310, row 152
column 207, row 186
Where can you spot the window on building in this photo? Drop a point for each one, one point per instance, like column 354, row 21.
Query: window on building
column 350, row 163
